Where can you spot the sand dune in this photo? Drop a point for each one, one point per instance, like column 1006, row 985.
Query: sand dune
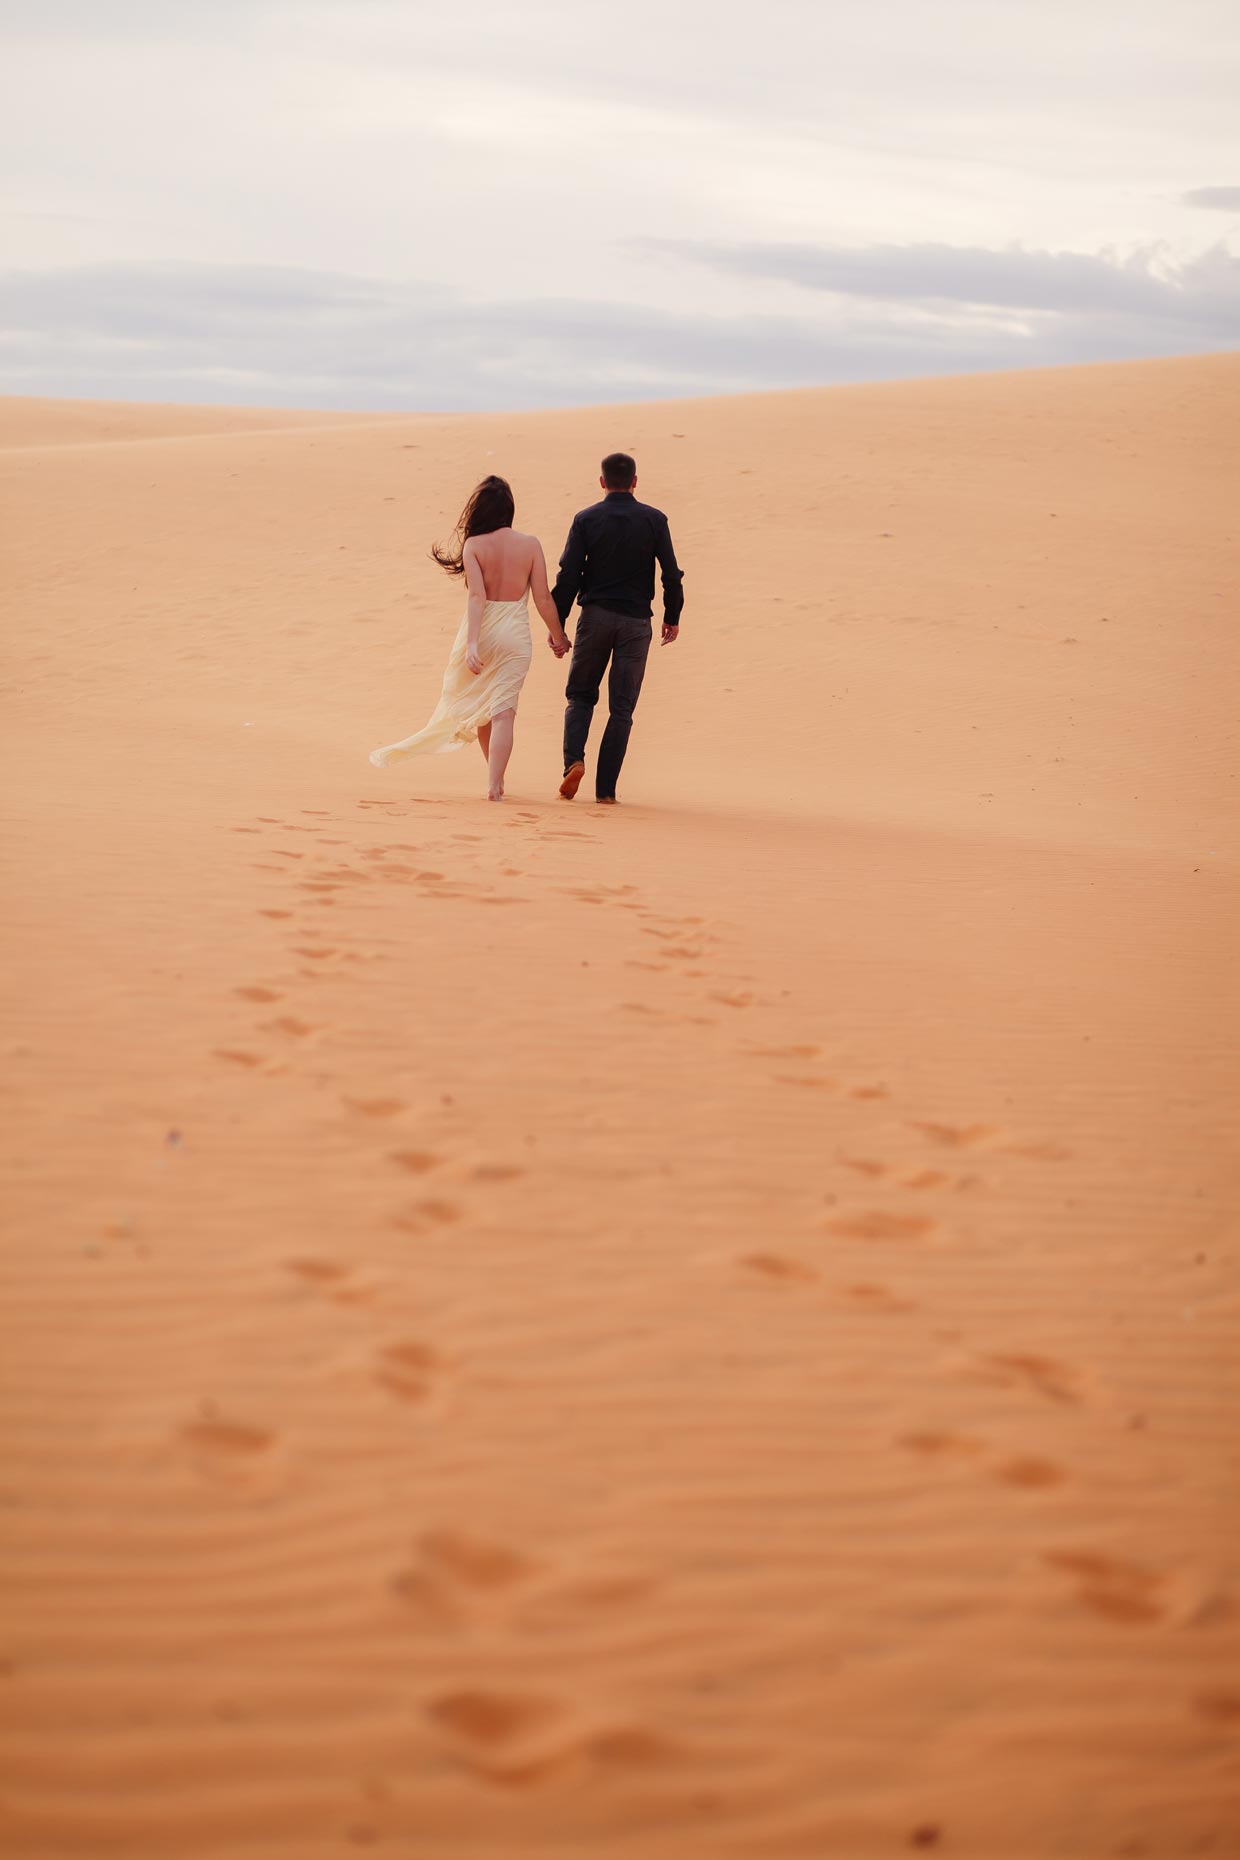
column 705, row 1329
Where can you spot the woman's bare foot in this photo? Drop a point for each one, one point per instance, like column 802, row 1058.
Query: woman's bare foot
column 499, row 741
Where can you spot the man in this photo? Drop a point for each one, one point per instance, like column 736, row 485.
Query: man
column 608, row 562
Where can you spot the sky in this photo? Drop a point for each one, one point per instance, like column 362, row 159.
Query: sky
column 393, row 204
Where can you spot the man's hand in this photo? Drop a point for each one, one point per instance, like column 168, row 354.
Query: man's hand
column 670, row 635
column 560, row 646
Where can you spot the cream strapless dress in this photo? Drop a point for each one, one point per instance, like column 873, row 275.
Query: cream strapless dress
column 465, row 702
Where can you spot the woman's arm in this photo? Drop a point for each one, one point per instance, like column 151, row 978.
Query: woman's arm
column 477, row 604
column 557, row 638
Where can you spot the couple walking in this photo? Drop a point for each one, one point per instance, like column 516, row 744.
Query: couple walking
column 608, row 564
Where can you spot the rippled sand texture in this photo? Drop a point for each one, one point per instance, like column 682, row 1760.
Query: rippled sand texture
column 706, row 1329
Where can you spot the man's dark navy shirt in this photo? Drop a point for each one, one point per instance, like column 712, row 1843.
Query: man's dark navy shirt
column 609, row 560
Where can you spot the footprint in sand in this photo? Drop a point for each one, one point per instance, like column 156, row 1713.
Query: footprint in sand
column 430, row 1212
column 807, row 1081
column 864, row 1165
column 483, row 1721
column 525, row 1738
column 938, row 1444
column 1055, row 1380
column 417, row 1162
column 318, row 1271
column 960, row 1136
column 474, row 1563
column 224, row 1448
column 217, row 1434
column 235, row 1057
column 1218, row 1707
column 408, row 1370
column 1030, row 1472
column 877, row 1224
column 255, row 993
column 878, row 1298
column 453, row 1576
column 275, row 913
column 1112, row 1587
column 992, row 1137
column 780, row 1267
column 497, row 1172
column 1027, row 1471
column 334, row 1280
column 374, row 1107
column 289, row 1023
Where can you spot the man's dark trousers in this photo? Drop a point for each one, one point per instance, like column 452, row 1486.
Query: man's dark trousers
column 600, row 635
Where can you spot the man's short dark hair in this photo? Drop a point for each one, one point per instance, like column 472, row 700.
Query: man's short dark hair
column 619, row 471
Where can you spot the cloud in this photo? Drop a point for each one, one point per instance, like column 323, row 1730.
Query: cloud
column 282, row 336
column 1202, row 293
column 1222, row 199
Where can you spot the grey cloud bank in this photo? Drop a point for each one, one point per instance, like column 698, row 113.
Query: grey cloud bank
column 288, row 337
column 1145, row 287
column 1222, row 199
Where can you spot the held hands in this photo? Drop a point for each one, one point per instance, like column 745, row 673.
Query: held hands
column 560, row 645
column 472, row 660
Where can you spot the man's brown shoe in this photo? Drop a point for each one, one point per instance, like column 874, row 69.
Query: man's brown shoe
column 572, row 779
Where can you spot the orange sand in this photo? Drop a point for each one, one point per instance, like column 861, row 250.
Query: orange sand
column 702, row 1329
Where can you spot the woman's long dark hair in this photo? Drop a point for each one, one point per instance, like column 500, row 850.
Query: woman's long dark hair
column 490, row 507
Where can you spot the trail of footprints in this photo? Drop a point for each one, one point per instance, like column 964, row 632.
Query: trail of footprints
column 1115, row 1594
column 321, row 881
column 408, row 1369
column 682, row 947
column 685, row 948
column 514, row 1735
column 519, row 1737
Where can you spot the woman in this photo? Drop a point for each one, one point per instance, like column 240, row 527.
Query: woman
column 491, row 653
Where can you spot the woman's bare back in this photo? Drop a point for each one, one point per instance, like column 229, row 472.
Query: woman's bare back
column 506, row 559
